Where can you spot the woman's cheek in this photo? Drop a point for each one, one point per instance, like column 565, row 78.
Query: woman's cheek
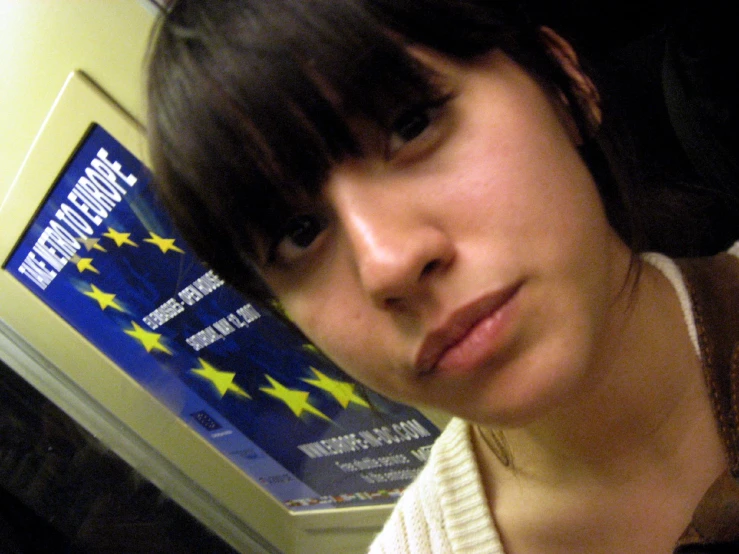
column 328, row 323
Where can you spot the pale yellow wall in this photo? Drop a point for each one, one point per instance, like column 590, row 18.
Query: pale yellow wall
column 42, row 41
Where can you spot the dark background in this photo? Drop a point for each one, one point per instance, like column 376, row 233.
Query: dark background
column 671, row 73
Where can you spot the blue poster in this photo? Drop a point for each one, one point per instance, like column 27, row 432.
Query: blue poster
column 103, row 255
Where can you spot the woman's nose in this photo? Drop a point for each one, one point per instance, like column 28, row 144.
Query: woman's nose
column 397, row 248
column 395, row 260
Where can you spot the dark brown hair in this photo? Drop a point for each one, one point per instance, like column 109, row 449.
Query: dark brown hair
column 251, row 102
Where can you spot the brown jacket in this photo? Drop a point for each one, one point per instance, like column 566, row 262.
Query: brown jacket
column 713, row 284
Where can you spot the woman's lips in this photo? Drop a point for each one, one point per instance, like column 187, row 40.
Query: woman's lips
column 469, row 336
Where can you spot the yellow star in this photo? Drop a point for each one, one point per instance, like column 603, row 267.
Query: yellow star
column 165, row 245
column 106, row 300
column 312, row 348
column 119, row 237
column 342, row 391
column 279, row 308
column 91, row 243
column 83, row 264
column 147, row 338
column 296, row 400
column 222, row 380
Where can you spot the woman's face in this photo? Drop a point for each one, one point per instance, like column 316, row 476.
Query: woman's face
column 467, row 263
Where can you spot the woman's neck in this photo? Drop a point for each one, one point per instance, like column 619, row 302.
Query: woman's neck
column 615, row 470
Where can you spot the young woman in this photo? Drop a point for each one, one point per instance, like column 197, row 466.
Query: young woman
column 431, row 192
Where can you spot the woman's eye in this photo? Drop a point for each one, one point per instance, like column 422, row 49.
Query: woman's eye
column 298, row 236
column 412, row 125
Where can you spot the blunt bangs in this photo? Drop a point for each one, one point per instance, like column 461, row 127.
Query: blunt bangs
column 250, row 107
column 252, row 102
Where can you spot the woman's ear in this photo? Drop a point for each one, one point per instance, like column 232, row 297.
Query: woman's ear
column 583, row 88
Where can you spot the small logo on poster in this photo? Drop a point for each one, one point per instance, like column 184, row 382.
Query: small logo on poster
column 206, row 421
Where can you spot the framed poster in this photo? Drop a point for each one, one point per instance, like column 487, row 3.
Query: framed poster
column 103, row 255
